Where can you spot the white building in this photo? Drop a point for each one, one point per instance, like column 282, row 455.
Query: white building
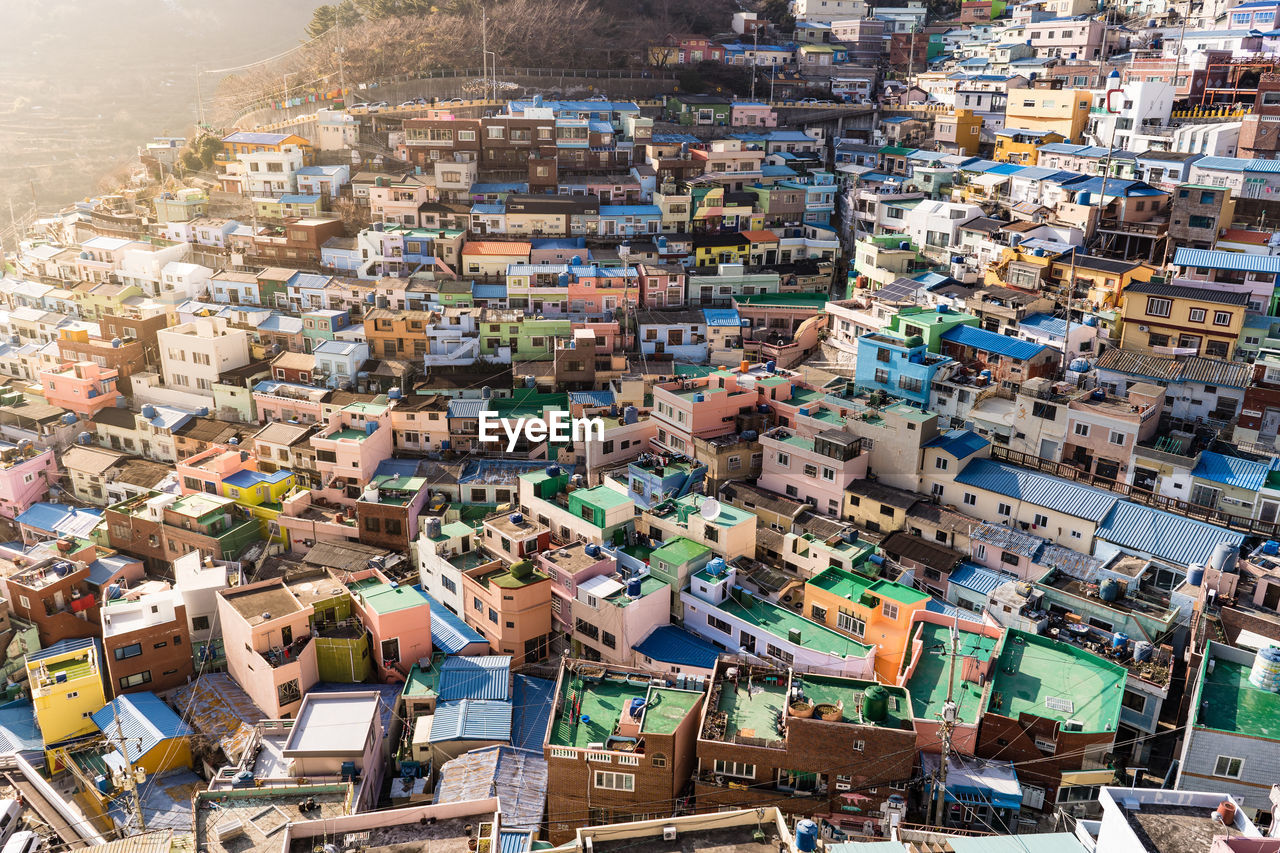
column 193, row 355
column 271, row 173
column 1138, row 104
column 935, row 225
column 826, row 11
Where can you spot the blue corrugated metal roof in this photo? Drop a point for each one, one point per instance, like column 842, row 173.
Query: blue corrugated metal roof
column 1145, row 530
column 1231, row 470
column 673, row 645
column 514, row 842
column 978, row 578
column 1225, row 164
column 951, row 611
column 1046, row 324
column 1232, row 261
column 466, row 408
column 630, row 210
column 960, row 443
column 299, row 198
column 62, row 647
column 722, row 317
column 533, row 700
column 18, row 730
column 471, row 719
column 1038, row 489
column 489, row 209
column 483, row 677
column 252, row 138
column 60, row 518
column 592, row 398
column 449, row 633
column 972, row 336
column 488, row 291
column 143, row 719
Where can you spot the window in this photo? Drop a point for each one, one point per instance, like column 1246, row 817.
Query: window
column 784, row 460
column 136, row 679
column 778, row 654
column 846, row 621
column 1040, row 520
column 1004, row 510
column 1228, row 767
column 890, row 610
column 970, row 499
column 819, row 613
column 736, row 769
column 130, row 651
column 612, row 781
column 1196, row 315
column 1158, row 307
column 1045, row 411
column 199, row 623
column 941, row 463
column 1222, row 318
column 659, row 760
column 719, row 624
column 1134, row 701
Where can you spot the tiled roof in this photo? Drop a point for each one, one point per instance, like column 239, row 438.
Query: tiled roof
column 1038, row 489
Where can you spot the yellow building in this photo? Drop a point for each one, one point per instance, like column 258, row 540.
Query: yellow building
column 250, row 142
column 1065, row 111
column 959, row 133
column 1200, row 320
column 1016, row 145
column 261, row 494
column 66, row 688
column 1100, row 281
column 155, row 736
column 875, row 612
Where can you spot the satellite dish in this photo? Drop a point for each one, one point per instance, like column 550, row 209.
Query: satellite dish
column 710, row 509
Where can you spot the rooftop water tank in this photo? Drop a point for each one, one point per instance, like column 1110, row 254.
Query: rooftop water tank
column 394, row 394
column 517, row 518
column 1109, row 590
column 1195, row 574
column 717, row 567
column 806, row 836
column 875, row 703
column 148, row 411
column 1119, row 640
column 1224, row 558
column 69, row 418
column 633, row 587
column 1265, row 673
column 116, row 343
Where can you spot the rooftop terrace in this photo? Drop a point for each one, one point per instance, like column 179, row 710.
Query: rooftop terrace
column 1230, row 703
column 1056, row 681
column 594, row 705
column 928, row 682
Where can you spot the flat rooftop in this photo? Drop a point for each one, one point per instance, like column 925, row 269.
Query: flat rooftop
column 1231, row 704
column 739, row 839
column 260, row 604
column 1056, row 681
column 602, row 700
column 441, row 836
column 263, row 815
column 928, row 682
column 1174, row 829
column 333, row 722
column 779, row 621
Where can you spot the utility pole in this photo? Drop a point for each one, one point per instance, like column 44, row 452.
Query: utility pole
column 1071, row 292
column 755, row 61
column 484, row 46
column 199, row 99
column 130, row 782
column 948, row 715
column 342, row 73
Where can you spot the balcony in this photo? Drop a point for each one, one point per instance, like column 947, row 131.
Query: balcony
column 1151, row 228
column 279, row 656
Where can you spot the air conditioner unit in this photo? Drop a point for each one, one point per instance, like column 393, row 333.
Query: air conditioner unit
column 844, row 786
column 668, row 833
column 1143, row 329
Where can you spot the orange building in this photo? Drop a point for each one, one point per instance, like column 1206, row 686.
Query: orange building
column 511, row 607
column 875, row 612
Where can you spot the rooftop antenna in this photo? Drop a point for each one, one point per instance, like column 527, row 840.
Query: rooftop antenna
column 710, row 509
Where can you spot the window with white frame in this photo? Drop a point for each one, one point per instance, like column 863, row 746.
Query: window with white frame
column 737, row 769
column 612, row 781
column 1228, row 767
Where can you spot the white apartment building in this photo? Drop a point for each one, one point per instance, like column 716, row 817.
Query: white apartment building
column 271, row 173
column 194, row 354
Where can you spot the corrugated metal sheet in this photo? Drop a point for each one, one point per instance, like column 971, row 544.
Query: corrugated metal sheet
column 592, row 398
column 1217, row 259
column 142, row 719
column 1222, row 164
column 981, row 339
column 1231, row 471
column 517, row 777
column 449, row 633
column 1186, row 291
column 1046, row 324
column 514, row 842
column 1211, row 371
column 960, row 443
column 482, row 677
column 471, row 719
column 673, row 645
column 1163, row 535
column 979, row 579
column 1042, row 490
column 533, row 700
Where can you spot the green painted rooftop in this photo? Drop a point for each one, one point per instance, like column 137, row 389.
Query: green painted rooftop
column 648, row 584
column 1229, row 703
column 827, row 690
column 603, row 702
column 679, row 551
column 1056, row 681
column 351, row 434
column 383, row 598
column 779, row 621
column 851, row 585
column 601, row 497
column 928, row 682
column 666, row 709
column 729, row 516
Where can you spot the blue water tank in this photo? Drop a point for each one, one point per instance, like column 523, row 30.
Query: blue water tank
column 370, row 427
column 1079, row 365
column 553, row 471
column 84, row 438
column 592, row 549
column 233, row 441
column 1195, row 574
column 577, row 261
column 1271, row 547
column 637, row 706
column 717, row 567
column 517, row 518
column 116, row 343
column 103, row 784
column 1109, row 590
column 148, row 411
column 699, row 397
column 394, row 394
column 771, row 367
column 662, row 243
column 631, row 415
column 69, row 418
column 1142, row 650
column 806, row 836
column 1091, row 321
column 750, row 435
column 633, row 587
column 1119, row 640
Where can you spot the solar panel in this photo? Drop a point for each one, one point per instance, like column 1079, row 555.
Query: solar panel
column 1057, row 703
column 899, row 290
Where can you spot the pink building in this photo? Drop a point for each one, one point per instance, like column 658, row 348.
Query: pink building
column 814, row 470
column 25, row 472
column 594, row 290
column 267, row 635
column 753, row 114
column 205, row 471
column 288, row 401
column 305, row 522
column 83, row 387
column 1103, row 431
column 558, row 251
column 608, row 335
column 398, row 200
column 397, row 616
column 356, row 438
column 704, row 407
column 568, row 567
column 662, row 286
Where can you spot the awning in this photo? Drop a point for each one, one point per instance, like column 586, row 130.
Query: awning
column 1088, row 777
column 977, row 781
column 990, row 181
